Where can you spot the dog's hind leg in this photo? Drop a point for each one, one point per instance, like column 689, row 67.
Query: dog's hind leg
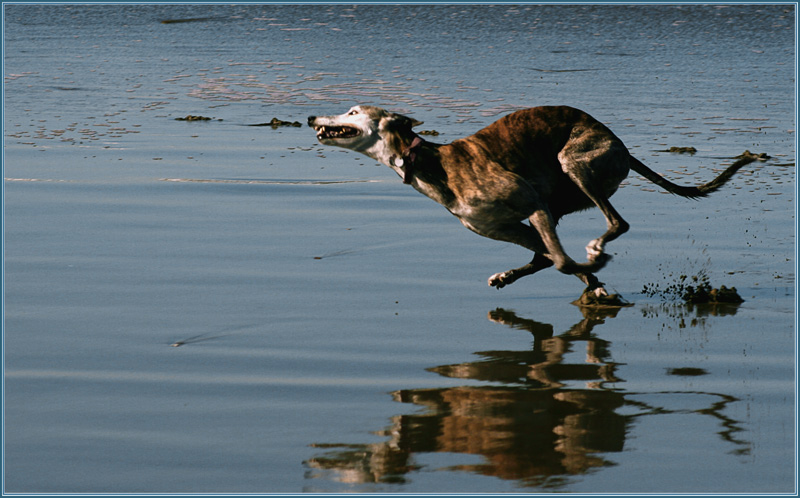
column 592, row 284
column 597, row 174
column 543, row 222
column 616, row 227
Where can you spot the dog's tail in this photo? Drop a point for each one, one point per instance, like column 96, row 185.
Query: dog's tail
column 691, row 192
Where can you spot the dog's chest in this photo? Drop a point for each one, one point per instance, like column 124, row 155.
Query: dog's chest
column 432, row 191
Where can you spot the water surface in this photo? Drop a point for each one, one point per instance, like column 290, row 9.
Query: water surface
column 214, row 307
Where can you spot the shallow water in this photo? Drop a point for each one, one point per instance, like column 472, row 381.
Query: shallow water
column 214, row 307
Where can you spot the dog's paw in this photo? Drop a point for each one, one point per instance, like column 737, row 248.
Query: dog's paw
column 598, row 297
column 500, row 280
column 594, row 250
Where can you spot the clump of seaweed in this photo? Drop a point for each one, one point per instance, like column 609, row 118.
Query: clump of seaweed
column 590, row 299
column 696, row 289
column 275, row 123
column 760, row 156
column 680, row 150
column 192, row 117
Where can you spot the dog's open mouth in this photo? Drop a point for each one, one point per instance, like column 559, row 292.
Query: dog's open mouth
column 334, row 132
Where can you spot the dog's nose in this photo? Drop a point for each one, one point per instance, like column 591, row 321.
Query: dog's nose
column 311, row 120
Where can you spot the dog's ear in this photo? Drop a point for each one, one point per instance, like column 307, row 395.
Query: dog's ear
column 400, row 121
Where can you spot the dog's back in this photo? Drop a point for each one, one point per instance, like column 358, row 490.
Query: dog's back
column 526, row 143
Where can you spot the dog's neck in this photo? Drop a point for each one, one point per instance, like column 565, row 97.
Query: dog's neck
column 399, row 153
column 407, row 160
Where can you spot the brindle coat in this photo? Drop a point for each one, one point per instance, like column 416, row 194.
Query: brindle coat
column 537, row 164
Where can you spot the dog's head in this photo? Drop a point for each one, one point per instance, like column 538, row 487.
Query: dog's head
column 367, row 129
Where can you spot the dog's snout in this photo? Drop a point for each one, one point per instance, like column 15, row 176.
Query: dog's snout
column 311, row 120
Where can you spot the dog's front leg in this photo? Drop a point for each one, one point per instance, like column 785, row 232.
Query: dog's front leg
column 516, row 233
column 547, row 251
column 539, row 262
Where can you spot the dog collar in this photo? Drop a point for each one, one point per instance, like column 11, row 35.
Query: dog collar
column 406, row 161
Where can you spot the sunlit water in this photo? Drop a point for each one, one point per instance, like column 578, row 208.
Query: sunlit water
column 211, row 306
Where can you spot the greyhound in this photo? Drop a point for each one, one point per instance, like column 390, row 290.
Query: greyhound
column 537, row 164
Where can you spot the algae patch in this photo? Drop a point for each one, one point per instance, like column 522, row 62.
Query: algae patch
column 275, row 123
column 696, row 289
column 760, row 156
column 680, row 150
column 590, row 299
column 192, row 117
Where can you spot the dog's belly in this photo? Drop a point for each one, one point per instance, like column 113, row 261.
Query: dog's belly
column 489, row 212
column 488, row 193
column 505, row 199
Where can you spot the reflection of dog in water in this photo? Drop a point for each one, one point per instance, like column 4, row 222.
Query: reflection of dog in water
column 537, row 164
column 528, row 426
column 540, row 416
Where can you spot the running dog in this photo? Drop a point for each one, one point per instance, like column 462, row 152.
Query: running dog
column 537, row 164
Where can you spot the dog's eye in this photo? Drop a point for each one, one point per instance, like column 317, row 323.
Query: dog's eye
column 352, row 113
